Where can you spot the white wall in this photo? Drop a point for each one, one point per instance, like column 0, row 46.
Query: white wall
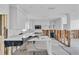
column 46, row 24
column 22, row 18
column 43, row 23
column 57, row 24
column 13, row 17
column 18, row 18
column 64, row 21
column 4, row 9
column 74, row 24
column 60, row 23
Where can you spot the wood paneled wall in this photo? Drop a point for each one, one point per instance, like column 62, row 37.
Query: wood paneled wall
column 62, row 36
column 74, row 34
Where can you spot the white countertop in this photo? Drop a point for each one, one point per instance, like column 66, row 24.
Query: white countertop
column 18, row 37
column 25, row 35
column 14, row 38
column 41, row 38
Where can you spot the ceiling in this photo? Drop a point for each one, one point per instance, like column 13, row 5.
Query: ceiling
column 50, row 11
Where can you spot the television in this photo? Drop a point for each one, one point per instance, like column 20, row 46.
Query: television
column 37, row 26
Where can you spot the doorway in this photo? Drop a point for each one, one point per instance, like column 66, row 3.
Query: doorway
column 3, row 31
